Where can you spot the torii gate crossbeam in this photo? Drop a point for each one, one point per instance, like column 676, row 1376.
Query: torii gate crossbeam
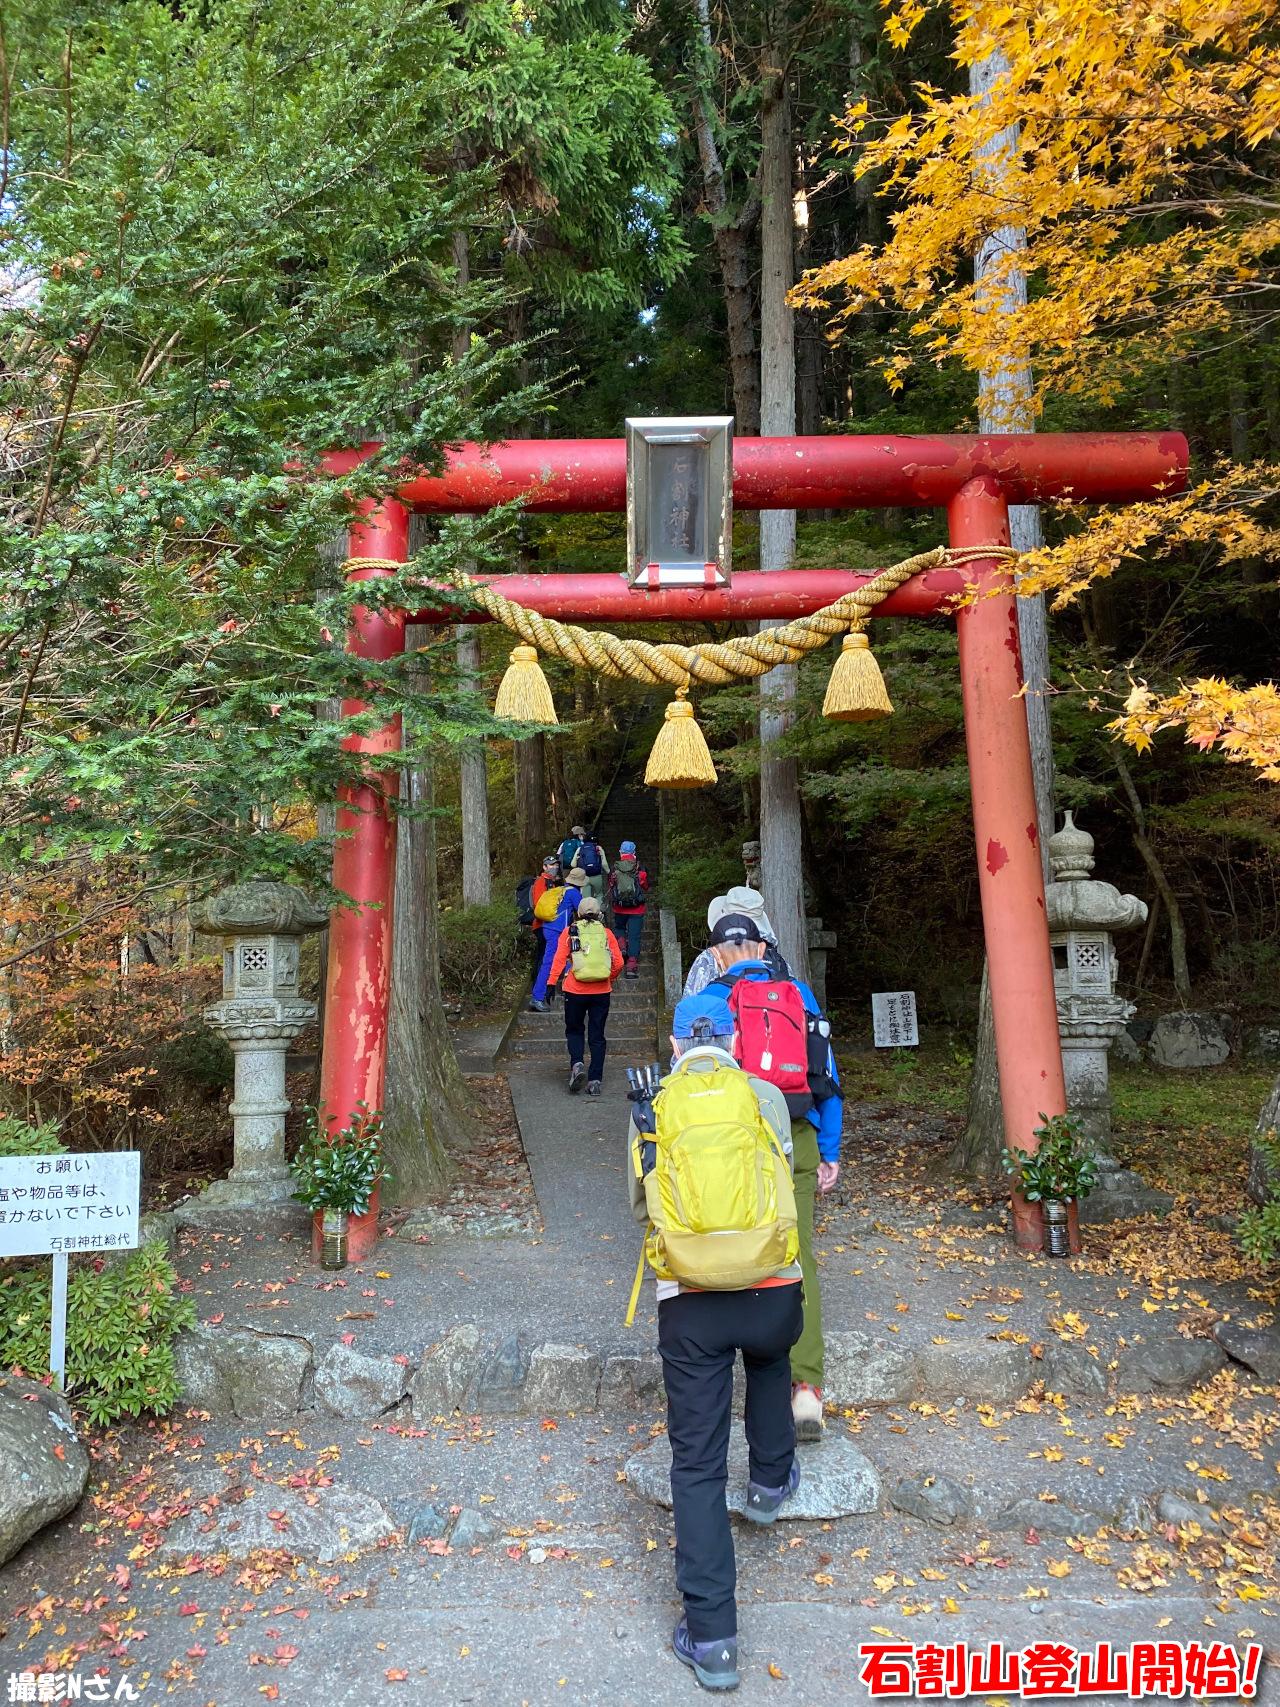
column 975, row 478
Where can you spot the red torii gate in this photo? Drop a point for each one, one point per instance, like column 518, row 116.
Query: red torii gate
column 975, row 478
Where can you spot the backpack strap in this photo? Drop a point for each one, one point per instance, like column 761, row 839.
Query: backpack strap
column 639, row 1280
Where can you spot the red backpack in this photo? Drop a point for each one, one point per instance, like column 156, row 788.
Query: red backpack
column 771, row 1038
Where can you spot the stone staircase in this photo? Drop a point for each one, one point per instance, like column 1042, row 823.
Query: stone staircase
column 629, row 813
column 633, row 1017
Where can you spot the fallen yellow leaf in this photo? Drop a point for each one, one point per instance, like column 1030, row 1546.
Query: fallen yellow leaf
column 886, row 1582
column 1149, row 1307
column 950, row 1605
column 934, row 1576
column 1163, row 1623
column 1053, row 1454
column 941, row 1339
column 1058, row 1568
column 954, row 1316
column 775, row 1671
column 880, row 1630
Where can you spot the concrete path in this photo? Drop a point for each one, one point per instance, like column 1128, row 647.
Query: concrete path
column 576, row 1148
column 566, row 1594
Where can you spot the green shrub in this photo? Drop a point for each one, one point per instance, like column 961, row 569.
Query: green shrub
column 480, row 950
column 18, row 1137
column 1063, row 1167
column 201, row 1057
column 1259, row 1229
column 339, row 1170
column 120, row 1327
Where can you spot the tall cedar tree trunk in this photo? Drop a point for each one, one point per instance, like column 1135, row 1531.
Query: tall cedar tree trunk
column 781, row 830
column 733, row 245
column 1164, row 889
column 473, row 785
column 531, row 793
column 1004, row 406
column 426, row 1100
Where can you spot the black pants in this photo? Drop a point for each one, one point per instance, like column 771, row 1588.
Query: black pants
column 586, row 1013
column 698, row 1335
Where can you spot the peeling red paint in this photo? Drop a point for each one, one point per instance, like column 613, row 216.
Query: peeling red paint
column 997, row 856
column 1040, row 902
column 1033, row 834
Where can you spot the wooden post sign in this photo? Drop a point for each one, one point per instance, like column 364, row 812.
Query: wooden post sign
column 893, row 1015
column 50, row 1205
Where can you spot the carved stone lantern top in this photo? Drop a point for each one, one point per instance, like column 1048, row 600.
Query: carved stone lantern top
column 1075, row 901
column 259, row 909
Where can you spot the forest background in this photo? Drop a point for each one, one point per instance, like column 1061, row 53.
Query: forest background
column 232, row 242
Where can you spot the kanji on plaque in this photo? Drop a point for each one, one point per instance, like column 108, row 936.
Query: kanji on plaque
column 893, row 1014
column 60, row 1204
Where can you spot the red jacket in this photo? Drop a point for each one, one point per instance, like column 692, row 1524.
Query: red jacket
column 576, row 986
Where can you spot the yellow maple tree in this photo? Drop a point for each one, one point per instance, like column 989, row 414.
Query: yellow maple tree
column 1122, row 160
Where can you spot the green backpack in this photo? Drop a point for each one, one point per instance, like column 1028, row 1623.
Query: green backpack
column 589, row 951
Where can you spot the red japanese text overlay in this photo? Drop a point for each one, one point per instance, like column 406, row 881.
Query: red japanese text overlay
column 1171, row 1669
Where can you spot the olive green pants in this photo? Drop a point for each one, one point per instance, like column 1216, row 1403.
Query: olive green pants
column 806, row 1353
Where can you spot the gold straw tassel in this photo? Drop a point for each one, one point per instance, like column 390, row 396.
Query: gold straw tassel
column 856, row 692
column 524, row 694
column 680, row 758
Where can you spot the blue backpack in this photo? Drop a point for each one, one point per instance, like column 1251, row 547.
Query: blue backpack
column 589, row 858
column 569, row 852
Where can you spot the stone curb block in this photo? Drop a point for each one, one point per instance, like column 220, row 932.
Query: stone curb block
column 562, row 1378
column 243, row 1372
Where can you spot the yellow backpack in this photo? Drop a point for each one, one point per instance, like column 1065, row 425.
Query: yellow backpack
column 722, row 1212
column 548, row 904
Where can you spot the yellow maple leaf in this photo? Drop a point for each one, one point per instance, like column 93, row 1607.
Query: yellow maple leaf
column 1058, row 1568
column 1053, row 1454
column 886, row 1582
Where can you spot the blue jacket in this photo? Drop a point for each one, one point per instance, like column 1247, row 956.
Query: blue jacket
column 565, row 913
column 827, row 1114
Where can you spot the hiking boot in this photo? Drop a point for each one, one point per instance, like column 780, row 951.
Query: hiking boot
column 577, row 1078
column 593, row 1087
column 537, row 1007
column 763, row 1503
column 806, row 1408
column 714, row 1664
column 632, row 968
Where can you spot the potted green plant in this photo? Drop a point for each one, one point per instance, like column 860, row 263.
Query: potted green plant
column 337, row 1175
column 1062, row 1172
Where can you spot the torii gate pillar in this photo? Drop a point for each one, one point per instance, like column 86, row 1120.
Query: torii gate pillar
column 1010, row 873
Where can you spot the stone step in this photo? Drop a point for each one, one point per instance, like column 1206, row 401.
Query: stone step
column 634, row 1019
column 639, row 1043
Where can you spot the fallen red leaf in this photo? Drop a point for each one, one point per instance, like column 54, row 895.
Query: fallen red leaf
column 348, row 1339
column 214, row 1320
column 395, row 1675
column 59, row 1450
column 186, row 1609
column 270, row 1690
column 286, row 1652
column 120, row 1576
column 197, row 1653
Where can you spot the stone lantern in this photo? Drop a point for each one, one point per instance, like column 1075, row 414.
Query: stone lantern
column 1083, row 913
column 261, row 1012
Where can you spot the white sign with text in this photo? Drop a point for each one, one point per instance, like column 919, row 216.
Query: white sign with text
column 59, row 1204
column 893, row 1014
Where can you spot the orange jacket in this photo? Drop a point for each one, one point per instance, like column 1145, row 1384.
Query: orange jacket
column 577, row 986
column 540, row 887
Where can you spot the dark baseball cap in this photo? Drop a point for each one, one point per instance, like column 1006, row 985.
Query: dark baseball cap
column 735, row 928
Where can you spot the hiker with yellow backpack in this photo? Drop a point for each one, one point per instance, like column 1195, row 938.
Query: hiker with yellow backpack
column 710, row 1177
column 590, row 959
column 554, row 909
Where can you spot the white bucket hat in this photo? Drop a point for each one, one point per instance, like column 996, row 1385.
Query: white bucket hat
column 741, row 900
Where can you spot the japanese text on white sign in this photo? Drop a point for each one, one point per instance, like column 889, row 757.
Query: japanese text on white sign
column 59, row 1204
column 893, row 1014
